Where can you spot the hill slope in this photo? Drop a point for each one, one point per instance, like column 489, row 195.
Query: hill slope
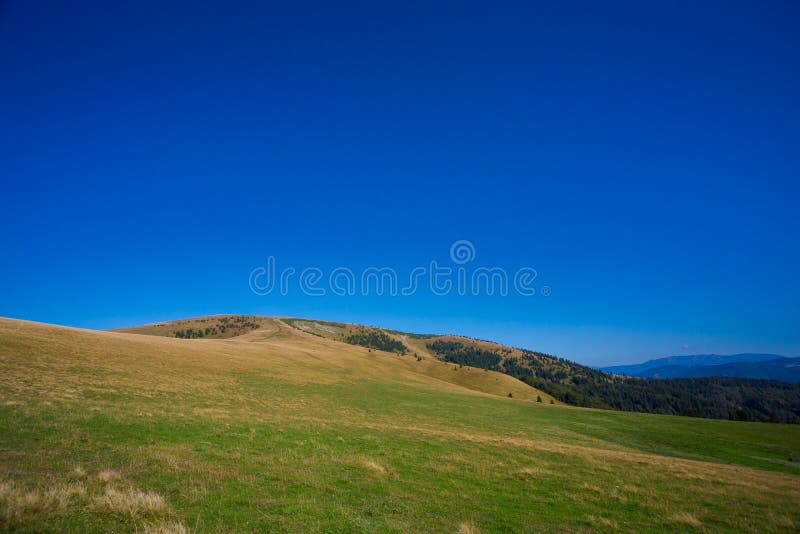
column 257, row 329
column 282, row 430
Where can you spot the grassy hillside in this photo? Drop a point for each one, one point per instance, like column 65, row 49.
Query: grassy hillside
column 363, row 336
column 282, row 430
column 260, row 329
column 562, row 380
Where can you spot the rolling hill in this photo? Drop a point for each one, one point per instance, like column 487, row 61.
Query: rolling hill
column 554, row 379
column 285, row 427
column 249, row 328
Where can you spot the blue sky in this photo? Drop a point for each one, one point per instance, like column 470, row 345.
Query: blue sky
column 642, row 157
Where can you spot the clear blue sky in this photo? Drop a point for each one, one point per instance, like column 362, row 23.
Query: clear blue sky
column 642, row 156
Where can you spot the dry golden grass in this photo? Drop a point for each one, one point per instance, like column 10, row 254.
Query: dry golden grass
column 167, row 527
column 108, row 475
column 19, row 505
column 687, row 519
column 531, row 473
column 468, row 528
column 132, row 503
column 603, row 522
column 374, row 467
column 79, row 473
column 273, row 329
column 73, row 363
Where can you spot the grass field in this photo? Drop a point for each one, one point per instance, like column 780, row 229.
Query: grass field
column 282, row 430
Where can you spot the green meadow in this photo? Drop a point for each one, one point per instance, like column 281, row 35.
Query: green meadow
column 281, row 430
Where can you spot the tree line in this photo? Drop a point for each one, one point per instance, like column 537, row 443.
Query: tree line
column 741, row 399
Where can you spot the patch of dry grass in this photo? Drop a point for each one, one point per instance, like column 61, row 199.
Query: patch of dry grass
column 531, row 473
column 164, row 527
column 374, row 467
column 783, row 521
column 108, row 475
column 79, row 473
column 132, row 503
column 685, row 518
column 468, row 528
column 603, row 522
column 19, row 506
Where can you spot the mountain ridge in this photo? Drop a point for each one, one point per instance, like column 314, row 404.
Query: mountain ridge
column 746, row 365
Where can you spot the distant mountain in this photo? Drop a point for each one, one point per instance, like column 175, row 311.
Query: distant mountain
column 693, row 360
column 767, row 366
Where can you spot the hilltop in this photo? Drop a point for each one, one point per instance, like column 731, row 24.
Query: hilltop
column 210, row 327
column 259, row 330
column 280, row 429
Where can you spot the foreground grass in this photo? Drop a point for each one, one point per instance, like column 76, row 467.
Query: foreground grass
column 106, row 432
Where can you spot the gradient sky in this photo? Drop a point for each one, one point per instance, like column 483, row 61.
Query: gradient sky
column 643, row 157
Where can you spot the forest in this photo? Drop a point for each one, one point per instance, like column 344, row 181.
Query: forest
column 712, row 397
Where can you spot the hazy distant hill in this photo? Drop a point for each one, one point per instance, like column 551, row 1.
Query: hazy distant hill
column 747, row 365
column 784, row 369
column 695, row 360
